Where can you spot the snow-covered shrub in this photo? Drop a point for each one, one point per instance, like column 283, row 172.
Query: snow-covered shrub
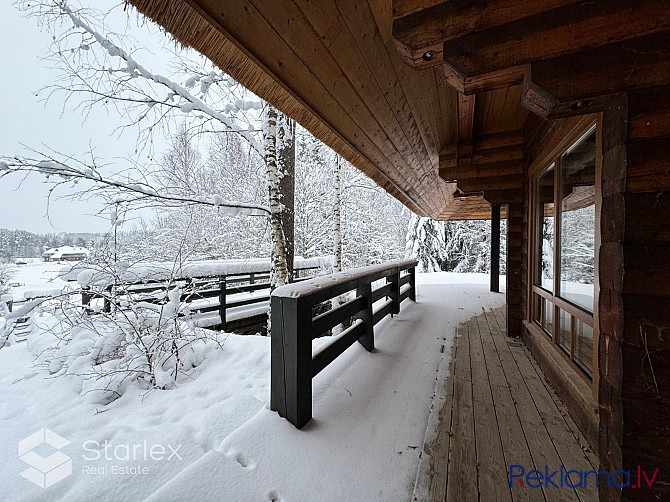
column 145, row 345
column 141, row 339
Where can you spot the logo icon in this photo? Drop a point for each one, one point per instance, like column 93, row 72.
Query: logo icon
column 45, row 471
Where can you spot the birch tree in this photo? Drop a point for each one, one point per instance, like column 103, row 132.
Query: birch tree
column 98, row 71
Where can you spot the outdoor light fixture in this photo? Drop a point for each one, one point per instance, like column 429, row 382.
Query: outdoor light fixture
column 429, row 55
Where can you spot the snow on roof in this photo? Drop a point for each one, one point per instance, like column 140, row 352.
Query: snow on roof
column 58, row 252
column 305, row 288
column 160, row 271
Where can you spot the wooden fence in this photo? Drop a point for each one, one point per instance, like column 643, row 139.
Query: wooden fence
column 224, row 295
column 294, row 325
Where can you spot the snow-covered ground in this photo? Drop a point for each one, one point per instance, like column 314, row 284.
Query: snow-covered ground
column 371, row 412
column 36, row 278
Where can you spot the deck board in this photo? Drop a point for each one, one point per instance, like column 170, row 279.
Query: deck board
column 500, row 411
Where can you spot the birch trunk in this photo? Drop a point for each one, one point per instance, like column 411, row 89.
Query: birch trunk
column 279, row 270
column 286, row 161
column 337, row 213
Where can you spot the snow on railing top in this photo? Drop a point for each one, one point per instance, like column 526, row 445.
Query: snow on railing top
column 160, row 271
column 311, row 286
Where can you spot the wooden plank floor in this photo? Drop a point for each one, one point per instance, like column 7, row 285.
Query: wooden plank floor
column 500, row 411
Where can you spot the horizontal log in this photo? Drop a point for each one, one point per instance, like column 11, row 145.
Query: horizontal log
column 247, row 288
column 617, row 67
column 382, row 312
column 648, row 165
column 330, row 319
column 404, row 293
column 381, row 292
column 490, row 183
column 498, row 140
column 481, row 171
column 248, row 301
column 502, row 154
column 329, row 353
column 427, row 29
column 647, row 218
column 487, row 82
column 567, row 29
column 503, row 196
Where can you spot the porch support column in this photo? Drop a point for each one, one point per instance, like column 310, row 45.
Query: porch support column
column 514, row 284
column 495, row 248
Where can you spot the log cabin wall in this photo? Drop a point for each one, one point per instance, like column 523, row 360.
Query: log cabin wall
column 645, row 343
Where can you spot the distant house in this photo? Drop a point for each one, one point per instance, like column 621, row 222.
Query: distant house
column 66, row 253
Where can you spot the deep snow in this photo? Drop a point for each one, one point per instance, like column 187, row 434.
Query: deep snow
column 371, row 412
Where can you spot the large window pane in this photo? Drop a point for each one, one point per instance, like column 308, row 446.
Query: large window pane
column 578, row 222
column 544, row 259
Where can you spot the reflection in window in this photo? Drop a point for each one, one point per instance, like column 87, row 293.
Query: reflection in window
column 564, row 335
column 544, row 273
column 584, row 346
column 578, row 221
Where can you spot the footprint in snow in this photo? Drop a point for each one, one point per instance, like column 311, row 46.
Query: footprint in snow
column 244, row 461
column 273, row 496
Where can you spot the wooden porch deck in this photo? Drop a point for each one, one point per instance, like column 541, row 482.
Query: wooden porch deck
column 500, row 411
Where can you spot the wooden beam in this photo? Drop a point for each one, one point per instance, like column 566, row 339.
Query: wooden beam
column 495, row 248
column 427, row 29
column 613, row 68
column 487, row 82
column 503, row 196
column 493, row 155
column 491, row 183
column 498, row 140
column 567, row 29
column 472, row 172
column 536, row 99
column 402, row 8
column 466, row 122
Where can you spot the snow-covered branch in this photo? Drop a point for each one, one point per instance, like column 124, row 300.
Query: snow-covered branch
column 130, row 85
column 58, row 171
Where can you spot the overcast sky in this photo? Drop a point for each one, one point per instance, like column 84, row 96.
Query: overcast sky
column 26, row 120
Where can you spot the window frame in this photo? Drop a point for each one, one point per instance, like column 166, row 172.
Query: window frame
column 550, row 155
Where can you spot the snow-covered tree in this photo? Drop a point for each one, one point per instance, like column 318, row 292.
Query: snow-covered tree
column 425, row 243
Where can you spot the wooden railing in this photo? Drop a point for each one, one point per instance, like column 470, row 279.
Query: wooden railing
column 218, row 294
column 294, row 326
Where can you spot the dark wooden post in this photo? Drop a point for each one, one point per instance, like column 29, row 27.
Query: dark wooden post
column 85, row 300
column 222, row 301
column 495, row 248
column 394, row 279
column 291, row 359
column 365, row 315
column 412, row 283
column 252, row 278
column 107, row 304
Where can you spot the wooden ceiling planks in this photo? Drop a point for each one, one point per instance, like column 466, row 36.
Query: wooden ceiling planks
column 354, row 90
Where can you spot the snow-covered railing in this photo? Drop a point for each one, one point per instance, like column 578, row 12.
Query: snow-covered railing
column 94, row 278
column 294, row 326
column 224, row 293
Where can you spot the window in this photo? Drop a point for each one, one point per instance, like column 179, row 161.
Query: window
column 564, row 249
column 578, row 221
column 544, row 272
